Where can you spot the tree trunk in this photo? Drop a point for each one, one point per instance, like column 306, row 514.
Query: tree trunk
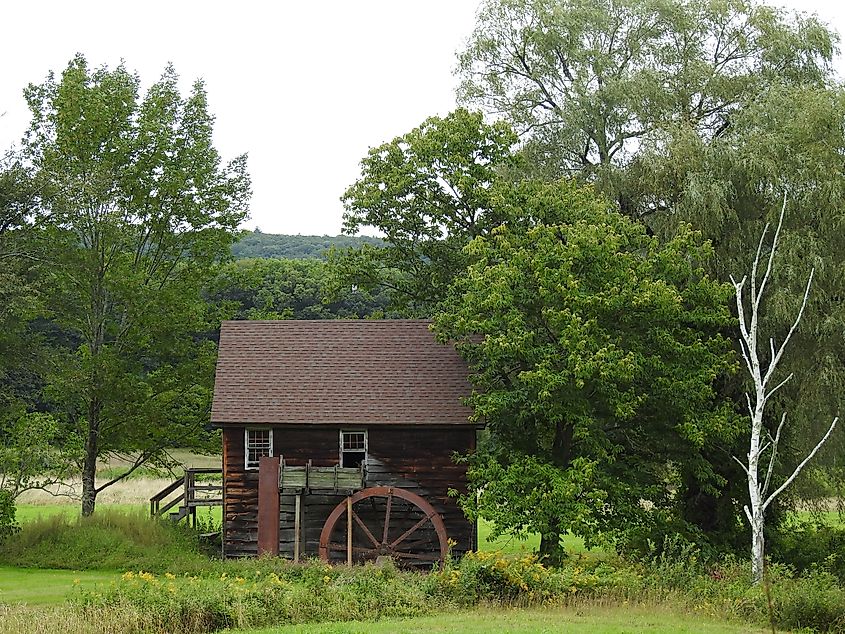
column 89, row 464
column 551, row 551
column 757, row 548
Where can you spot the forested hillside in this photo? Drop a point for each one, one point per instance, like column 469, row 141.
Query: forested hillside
column 255, row 244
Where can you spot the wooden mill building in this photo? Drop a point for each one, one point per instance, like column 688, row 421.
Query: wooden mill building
column 345, row 426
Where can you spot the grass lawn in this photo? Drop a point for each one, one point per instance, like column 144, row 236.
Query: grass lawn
column 585, row 619
column 29, row 512
column 46, row 587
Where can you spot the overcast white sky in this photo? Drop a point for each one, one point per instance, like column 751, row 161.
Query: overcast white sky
column 305, row 88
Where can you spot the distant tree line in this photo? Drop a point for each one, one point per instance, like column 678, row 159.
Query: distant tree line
column 256, row 244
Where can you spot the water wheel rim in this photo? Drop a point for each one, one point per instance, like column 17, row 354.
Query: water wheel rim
column 429, row 515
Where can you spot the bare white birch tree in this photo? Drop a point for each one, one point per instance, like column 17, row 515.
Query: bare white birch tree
column 762, row 440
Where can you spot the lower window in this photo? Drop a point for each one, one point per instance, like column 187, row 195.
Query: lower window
column 353, row 448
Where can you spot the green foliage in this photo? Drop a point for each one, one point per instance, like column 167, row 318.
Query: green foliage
column 808, row 546
column 594, row 351
column 204, row 603
column 592, row 82
column 108, row 540
column 428, row 192
column 8, row 521
column 255, row 244
column 491, row 577
column 137, row 209
column 790, row 140
column 21, row 353
column 183, row 591
column 813, row 601
column 33, row 453
column 286, row 289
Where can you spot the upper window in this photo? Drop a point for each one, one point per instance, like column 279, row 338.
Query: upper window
column 353, row 448
column 258, row 443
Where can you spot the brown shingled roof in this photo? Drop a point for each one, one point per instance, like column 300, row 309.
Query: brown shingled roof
column 337, row 372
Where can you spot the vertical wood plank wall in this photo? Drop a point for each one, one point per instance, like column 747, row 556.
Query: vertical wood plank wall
column 418, row 459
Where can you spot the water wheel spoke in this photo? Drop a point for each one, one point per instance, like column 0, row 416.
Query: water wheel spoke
column 426, row 557
column 364, row 528
column 337, row 547
column 408, row 532
column 387, row 516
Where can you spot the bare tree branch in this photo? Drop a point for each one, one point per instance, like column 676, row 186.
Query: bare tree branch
column 798, row 469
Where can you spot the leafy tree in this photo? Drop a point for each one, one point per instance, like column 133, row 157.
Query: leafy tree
column 17, row 254
column 791, row 140
column 595, row 353
column 137, row 209
column 428, row 192
column 32, row 454
column 23, row 357
column 590, row 83
column 285, row 289
column 29, row 456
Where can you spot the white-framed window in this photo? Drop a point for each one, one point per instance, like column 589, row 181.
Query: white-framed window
column 353, row 447
column 257, row 443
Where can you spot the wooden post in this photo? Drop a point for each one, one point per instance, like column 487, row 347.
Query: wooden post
column 268, row 506
column 349, row 531
column 186, row 495
column 296, row 527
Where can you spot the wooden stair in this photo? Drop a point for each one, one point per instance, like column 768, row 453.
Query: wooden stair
column 192, row 495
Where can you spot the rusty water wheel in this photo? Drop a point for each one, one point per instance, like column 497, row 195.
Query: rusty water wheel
column 386, row 522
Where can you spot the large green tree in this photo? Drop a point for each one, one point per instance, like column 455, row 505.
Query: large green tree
column 136, row 210
column 595, row 352
column 19, row 296
column 428, row 192
column 589, row 83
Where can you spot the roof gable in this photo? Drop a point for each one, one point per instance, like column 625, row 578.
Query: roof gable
column 343, row 372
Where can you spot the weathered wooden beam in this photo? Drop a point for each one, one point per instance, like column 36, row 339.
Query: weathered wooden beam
column 349, row 531
column 268, row 506
column 296, row 528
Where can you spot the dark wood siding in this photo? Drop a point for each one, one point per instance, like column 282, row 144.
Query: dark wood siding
column 240, row 498
column 414, row 458
column 421, row 460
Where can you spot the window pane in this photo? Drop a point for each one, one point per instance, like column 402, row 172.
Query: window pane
column 258, row 444
column 353, row 441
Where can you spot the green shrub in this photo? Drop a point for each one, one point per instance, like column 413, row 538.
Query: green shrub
column 496, row 578
column 106, row 540
column 192, row 604
column 814, row 600
column 808, row 545
column 8, row 522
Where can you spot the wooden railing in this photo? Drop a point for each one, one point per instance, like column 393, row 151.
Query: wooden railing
column 188, row 500
column 307, row 478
